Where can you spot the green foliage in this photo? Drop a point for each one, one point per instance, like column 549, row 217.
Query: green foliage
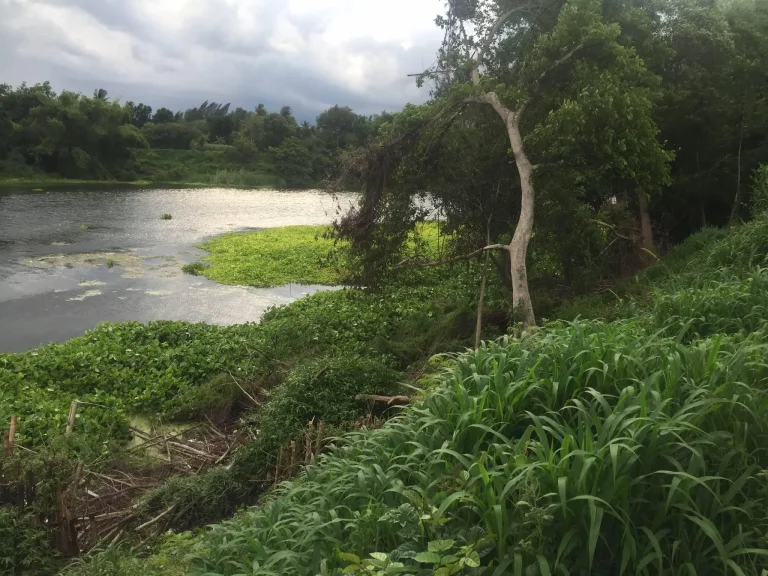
column 166, row 216
column 194, row 268
column 272, row 257
column 760, row 190
column 24, row 544
column 67, row 134
column 169, row 559
column 293, row 162
column 544, row 444
column 115, row 371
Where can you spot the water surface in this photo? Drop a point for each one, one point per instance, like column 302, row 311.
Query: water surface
column 55, row 281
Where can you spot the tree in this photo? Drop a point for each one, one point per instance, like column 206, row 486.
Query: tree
column 340, row 127
column 163, row 116
column 140, row 113
column 293, row 162
column 558, row 77
column 278, row 127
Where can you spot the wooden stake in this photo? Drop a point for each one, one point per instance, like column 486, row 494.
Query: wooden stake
column 294, row 459
column 308, row 443
column 277, row 467
column 72, row 416
column 319, row 439
column 11, row 436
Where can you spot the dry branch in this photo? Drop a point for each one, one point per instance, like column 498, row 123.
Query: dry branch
column 388, row 400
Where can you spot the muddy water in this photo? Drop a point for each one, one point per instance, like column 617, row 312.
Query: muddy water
column 70, row 260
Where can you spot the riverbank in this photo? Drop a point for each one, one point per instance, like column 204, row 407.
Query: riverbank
column 302, row 362
column 575, row 439
column 213, row 167
column 679, row 367
column 43, row 184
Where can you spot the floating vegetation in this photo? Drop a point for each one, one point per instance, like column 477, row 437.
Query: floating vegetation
column 91, row 283
column 84, row 295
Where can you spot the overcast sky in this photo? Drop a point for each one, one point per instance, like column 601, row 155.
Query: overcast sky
column 308, row 54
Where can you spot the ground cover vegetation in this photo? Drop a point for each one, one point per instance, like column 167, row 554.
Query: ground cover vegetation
column 47, row 137
column 566, row 146
column 590, row 446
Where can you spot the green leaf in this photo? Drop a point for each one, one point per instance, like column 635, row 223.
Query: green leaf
column 380, row 556
column 440, row 545
column 428, row 558
column 347, row 557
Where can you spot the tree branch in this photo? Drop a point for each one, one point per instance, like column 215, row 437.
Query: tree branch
column 537, row 84
column 430, row 263
column 492, row 33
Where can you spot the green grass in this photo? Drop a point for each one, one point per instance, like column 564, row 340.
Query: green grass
column 210, row 167
column 273, row 257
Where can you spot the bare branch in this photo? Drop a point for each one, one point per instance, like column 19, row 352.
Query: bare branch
column 430, row 263
column 492, row 33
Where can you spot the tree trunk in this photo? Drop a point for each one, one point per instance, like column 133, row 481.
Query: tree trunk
column 646, row 232
column 518, row 248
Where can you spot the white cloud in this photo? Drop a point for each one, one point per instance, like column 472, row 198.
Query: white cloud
column 316, row 52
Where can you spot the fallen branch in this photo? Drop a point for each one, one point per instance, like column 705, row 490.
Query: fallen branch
column 156, row 518
column 388, row 400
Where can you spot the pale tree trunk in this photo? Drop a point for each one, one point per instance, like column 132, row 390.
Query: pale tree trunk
column 646, row 232
column 518, row 247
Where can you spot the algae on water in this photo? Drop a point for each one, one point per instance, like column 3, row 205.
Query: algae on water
column 84, row 295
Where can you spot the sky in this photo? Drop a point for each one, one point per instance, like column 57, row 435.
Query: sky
column 307, row 54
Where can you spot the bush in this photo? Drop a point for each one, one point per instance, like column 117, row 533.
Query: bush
column 24, row 544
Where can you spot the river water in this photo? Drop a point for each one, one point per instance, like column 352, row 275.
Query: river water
column 70, row 260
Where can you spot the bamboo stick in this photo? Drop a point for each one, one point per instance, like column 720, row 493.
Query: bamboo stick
column 11, row 436
column 72, row 416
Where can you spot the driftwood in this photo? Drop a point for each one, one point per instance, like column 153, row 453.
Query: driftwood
column 386, row 400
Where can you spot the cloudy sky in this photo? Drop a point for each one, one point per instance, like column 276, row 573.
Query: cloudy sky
column 308, row 54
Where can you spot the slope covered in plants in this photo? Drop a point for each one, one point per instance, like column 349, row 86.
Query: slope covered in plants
column 632, row 446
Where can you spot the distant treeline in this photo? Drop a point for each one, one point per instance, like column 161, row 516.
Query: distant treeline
column 73, row 135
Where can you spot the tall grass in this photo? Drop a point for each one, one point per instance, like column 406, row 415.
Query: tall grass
column 637, row 446
column 585, row 448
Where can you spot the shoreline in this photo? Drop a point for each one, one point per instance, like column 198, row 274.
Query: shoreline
column 65, row 183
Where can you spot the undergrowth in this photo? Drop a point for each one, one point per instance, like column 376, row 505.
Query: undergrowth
column 636, row 445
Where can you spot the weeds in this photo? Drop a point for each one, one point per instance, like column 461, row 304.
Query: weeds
column 166, row 216
column 194, row 268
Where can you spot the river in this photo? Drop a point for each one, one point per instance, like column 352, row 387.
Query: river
column 72, row 259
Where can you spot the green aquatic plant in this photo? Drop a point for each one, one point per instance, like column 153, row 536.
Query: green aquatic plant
column 194, row 268
column 166, row 216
